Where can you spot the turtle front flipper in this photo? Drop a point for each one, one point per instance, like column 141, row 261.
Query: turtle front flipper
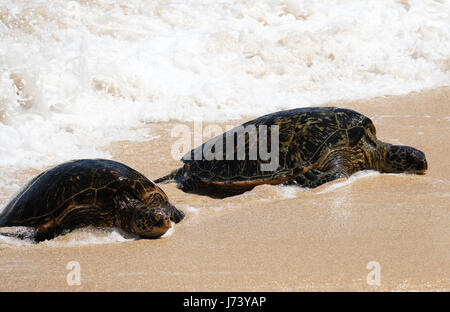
column 73, row 217
column 40, row 236
column 315, row 178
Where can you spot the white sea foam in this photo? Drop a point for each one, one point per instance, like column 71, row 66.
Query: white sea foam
column 80, row 237
column 190, row 209
column 357, row 176
column 290, row 191
column 10, row 241
column 76, row 75
column 89, row 236
column 169, row 231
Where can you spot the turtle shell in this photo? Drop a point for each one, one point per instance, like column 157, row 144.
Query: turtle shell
column 305, row 135
column 89, row 186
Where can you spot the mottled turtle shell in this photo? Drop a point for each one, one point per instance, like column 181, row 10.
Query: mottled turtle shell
column 85, row 190
column 305, row 135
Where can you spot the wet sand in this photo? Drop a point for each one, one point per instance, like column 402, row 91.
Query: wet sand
column 277, row 238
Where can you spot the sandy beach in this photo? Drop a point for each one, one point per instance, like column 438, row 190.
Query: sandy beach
column 275, row 238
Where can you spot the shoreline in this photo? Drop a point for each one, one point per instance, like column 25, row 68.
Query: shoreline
column 276, row 238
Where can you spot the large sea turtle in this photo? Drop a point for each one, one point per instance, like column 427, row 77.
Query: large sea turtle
column 98, row 192
column 316, row 145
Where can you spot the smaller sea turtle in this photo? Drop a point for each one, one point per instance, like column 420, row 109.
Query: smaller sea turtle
column 97, row 192
column 316, row 145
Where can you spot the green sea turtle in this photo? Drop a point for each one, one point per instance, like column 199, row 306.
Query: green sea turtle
column 97, row 192
column 316, row 145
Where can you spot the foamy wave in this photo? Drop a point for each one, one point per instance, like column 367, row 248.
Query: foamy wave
column 80, row 237
column 76, row 75
column 9, row 188
column 9, row 241
column 357, row 176
column 169, row 231
column 190, row 209
column 290, row 191
column 89, row 236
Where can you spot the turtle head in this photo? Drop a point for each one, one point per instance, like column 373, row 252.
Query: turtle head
column 400, row 158
column 150, row 222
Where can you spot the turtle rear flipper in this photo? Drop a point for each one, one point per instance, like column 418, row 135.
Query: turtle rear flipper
column 171, row 177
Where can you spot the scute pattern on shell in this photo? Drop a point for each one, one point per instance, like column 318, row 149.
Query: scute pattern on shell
column 77, row 190
column 305, row 134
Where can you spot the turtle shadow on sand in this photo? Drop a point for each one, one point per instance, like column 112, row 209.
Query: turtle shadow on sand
column 315, row 145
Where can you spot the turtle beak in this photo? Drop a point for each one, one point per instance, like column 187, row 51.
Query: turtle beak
column 421, row 167
column 161, row 222
column 152, row 222
column 175, row 214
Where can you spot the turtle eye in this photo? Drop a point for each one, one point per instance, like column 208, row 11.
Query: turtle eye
column 417, row 161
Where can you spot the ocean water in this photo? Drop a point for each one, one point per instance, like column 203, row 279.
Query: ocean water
column 77, row 75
